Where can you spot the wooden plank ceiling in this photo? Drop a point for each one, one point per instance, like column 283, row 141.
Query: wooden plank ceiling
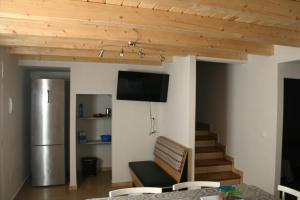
column 77, row 30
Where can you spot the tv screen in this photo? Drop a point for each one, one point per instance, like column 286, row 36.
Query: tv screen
column 141, row 86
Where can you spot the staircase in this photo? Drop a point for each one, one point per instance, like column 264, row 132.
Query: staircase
column 211, row 162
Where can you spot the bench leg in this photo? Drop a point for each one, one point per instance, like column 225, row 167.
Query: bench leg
column 135, row 180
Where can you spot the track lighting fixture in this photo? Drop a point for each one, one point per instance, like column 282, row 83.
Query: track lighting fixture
column 162, row 58
column 131, row 44
column 101, row 52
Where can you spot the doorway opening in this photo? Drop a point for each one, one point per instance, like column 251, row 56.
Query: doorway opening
column 212, row 96
column 290, row 164
column 29, row 75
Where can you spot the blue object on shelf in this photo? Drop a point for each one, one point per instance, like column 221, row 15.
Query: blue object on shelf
column 106, row 138
column 82, row 137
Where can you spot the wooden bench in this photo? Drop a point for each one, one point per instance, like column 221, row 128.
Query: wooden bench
column 169, row 166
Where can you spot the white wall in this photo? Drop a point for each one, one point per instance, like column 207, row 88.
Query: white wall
column 177, row 111
column 130, row 119
column 254, row 116
column 251, row 131
column 251, row 119
column 14, row 146
column 178, row 115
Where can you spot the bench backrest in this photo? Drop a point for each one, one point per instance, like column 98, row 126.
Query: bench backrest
column 170, row 156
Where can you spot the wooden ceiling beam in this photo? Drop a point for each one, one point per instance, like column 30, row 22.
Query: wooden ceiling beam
column 107, row 55
column 88, row 44
column 83, row 59
column 155, row 20
column 16, row 27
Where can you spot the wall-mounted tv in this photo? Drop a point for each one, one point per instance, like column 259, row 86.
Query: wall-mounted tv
column 142, row 86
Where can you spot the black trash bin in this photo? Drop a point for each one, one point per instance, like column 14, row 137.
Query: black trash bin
column 89, row 166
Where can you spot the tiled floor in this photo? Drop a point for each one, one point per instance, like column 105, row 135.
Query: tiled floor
column 90, row 187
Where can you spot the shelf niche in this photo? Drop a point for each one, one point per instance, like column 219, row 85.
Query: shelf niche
column 93, row 127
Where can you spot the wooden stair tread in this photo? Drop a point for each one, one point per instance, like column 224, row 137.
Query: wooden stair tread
column 201, row 132
column 217, row 176
column 212, row 162
column 205, row 137
column 209, row 149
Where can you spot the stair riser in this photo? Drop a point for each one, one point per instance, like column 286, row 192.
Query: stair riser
column 209, row 169
column 231, row 182
column 205, row 143
column 206, row 137
column 201, row 132
column 213, row 155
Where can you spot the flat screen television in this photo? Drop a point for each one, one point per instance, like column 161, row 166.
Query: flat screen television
column 142, row 86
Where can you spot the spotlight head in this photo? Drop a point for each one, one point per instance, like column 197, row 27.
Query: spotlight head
column 131, row 44
column 141, row 53
column 162, row 58
column 101, row 52
column 122, row 53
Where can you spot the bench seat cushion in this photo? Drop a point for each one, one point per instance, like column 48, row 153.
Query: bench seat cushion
column 151, row 175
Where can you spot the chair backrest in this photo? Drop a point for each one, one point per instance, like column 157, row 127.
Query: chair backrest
column 134, row 191
column 288, row 190
column 170, row 156
column 195, row 185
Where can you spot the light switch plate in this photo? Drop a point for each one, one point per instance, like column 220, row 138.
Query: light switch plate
column 10, row 105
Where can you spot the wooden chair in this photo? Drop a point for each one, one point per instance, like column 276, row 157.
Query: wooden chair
column 290, row 191
column 195, row 185
column 135, row 191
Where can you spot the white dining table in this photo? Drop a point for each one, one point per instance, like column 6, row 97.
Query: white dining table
column 247, row 193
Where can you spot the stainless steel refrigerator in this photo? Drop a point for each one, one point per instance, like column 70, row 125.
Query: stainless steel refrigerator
column 48, row 132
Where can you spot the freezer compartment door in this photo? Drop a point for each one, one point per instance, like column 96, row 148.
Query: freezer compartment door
column 47, row 111
column 48, row 165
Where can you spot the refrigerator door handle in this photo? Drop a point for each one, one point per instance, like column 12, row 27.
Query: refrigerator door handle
column 48, row 91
